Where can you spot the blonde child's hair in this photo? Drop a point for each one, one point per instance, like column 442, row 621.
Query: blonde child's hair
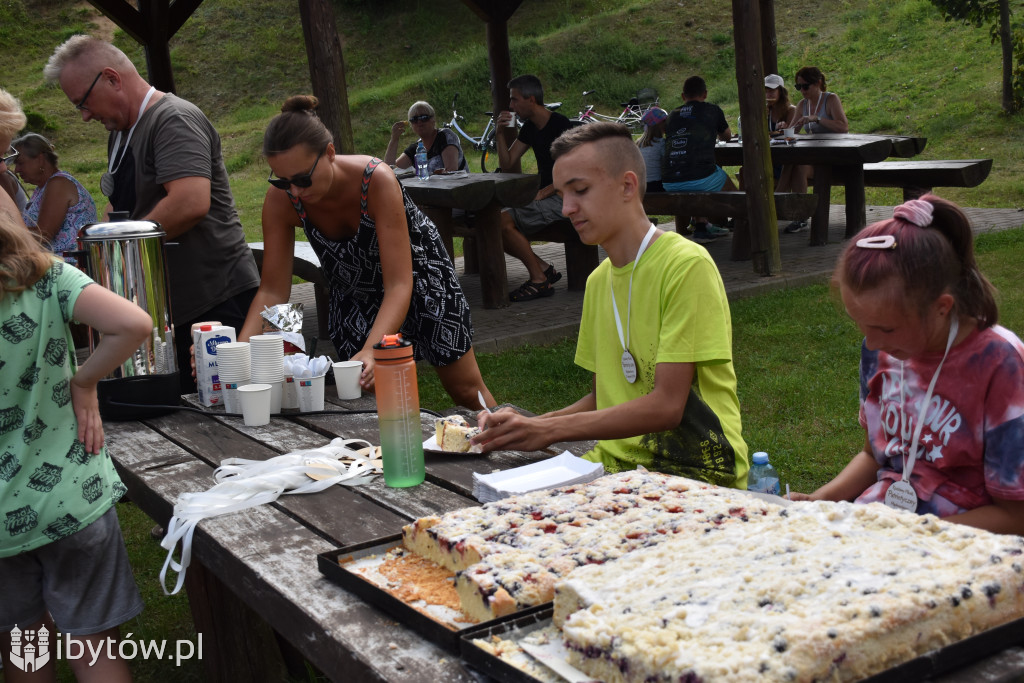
column 22, row 259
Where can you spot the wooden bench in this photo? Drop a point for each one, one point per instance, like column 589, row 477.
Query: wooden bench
column 305, row 265
column 724, row 205
column 580, row 258
column 919, row 177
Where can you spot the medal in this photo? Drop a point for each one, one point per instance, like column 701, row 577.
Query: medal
column 901, row 496
column 628, row 362
column 628, row 366
column 107, row 183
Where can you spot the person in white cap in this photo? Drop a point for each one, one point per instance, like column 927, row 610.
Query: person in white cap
column 781, row 111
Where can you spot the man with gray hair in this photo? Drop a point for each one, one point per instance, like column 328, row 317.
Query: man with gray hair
column 165, row 165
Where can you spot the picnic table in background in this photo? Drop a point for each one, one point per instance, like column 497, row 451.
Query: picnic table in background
column 837, row 159
column 483, row 195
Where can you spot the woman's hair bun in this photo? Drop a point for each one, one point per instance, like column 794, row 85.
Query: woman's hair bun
column 307, row 103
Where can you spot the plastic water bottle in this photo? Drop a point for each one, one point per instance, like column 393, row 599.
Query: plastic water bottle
column 762, row 476
column 739, row 130
column 398, row 412
column 422, row 171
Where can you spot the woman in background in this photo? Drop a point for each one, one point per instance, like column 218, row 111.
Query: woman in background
column 60, row 205
column 444, row 153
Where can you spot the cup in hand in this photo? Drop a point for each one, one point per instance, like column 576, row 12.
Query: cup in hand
column 346, row 378
column 255, row 400
column 511, row 123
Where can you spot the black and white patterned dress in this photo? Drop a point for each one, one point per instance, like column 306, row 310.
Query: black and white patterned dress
column 438, row 322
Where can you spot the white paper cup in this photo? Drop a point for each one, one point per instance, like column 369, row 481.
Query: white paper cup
column 289, row 399
column 276, row 396
column 346, row 378
column 232, row 402
column 310, row 391
column 255, row 400
column 511, row 122
column 789, row 133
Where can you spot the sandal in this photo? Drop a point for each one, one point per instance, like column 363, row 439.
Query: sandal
column 529, row 291
column 552, row 275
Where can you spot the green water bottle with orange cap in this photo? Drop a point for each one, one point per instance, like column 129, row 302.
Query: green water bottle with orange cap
column 398, row 412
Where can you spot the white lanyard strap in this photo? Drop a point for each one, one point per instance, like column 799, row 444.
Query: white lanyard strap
column 624, row 338
column 111, row 167
column 954, row 326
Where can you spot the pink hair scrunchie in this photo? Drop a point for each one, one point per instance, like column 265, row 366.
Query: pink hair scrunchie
column 916, row 211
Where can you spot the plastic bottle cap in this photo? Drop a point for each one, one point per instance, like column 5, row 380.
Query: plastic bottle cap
column 205, row 328
column 760, row 458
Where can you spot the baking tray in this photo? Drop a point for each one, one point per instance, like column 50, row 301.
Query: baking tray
column 433, row 629
column 935, row 663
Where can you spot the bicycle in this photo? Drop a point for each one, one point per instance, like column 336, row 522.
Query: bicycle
column 486, row 144
column 631, row 115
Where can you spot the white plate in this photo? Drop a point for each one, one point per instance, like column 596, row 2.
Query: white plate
column 431, row 445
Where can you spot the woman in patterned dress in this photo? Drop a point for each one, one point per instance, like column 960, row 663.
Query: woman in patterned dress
column 385, row 262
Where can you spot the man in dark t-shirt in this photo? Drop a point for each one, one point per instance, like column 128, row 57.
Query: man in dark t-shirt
column 690, row 135
column 540, row 128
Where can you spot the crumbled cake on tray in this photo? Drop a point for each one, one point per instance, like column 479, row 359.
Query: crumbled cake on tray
column 509, row 554
column 822, row 592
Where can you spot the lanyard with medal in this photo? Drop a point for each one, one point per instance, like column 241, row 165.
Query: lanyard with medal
column 628, row 363
column 901, row 494
column 107, row 185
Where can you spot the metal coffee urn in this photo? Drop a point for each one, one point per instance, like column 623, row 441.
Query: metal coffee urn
column 127, row 257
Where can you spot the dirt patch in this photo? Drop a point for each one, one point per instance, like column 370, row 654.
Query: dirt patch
column 104, row 26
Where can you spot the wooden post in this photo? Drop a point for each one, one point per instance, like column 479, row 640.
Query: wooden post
column 501, row 73
column 158, row 53
column 769, row 41
column 757, row 163
column 327, row 70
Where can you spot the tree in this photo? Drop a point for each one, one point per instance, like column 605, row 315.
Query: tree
column 996, row 13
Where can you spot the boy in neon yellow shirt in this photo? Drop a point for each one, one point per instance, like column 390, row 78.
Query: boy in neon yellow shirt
column 656, row 332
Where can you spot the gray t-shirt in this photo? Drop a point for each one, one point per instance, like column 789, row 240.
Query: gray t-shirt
column 210, row 263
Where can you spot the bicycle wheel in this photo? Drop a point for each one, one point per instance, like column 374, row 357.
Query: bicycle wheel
column 489, row 151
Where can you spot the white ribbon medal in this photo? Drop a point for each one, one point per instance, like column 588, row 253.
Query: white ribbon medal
column 107, row 184
column 628, row 362
column 901, row 494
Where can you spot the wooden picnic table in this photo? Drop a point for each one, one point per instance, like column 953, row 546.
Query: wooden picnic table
column 837, row 159
column 483, row 195
column 258, row 567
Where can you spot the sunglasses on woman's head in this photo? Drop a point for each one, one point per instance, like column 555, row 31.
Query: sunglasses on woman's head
column 303, row 180
column 420, row 118
column 11, row 155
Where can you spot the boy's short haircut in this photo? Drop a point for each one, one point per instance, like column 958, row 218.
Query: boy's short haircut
column 618, row 151
column 528, row 85
column 694, row 87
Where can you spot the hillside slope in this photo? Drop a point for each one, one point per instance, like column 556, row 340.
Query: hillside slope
column 897, row 66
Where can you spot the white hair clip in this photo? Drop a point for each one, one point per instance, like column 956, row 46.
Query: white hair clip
column 877, row 242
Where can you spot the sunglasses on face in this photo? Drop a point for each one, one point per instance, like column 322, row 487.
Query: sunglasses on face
column 304, row 180
column 803, row 86
column 420, row 118
column 11, row 155
column 81, row 104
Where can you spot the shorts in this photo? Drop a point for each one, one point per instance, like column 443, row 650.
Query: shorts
column 711, row 183
column 538, row 214
column 83, row 580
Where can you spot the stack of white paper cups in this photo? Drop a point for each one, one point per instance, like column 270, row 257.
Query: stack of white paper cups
column 268, row 366
column 233, row 369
